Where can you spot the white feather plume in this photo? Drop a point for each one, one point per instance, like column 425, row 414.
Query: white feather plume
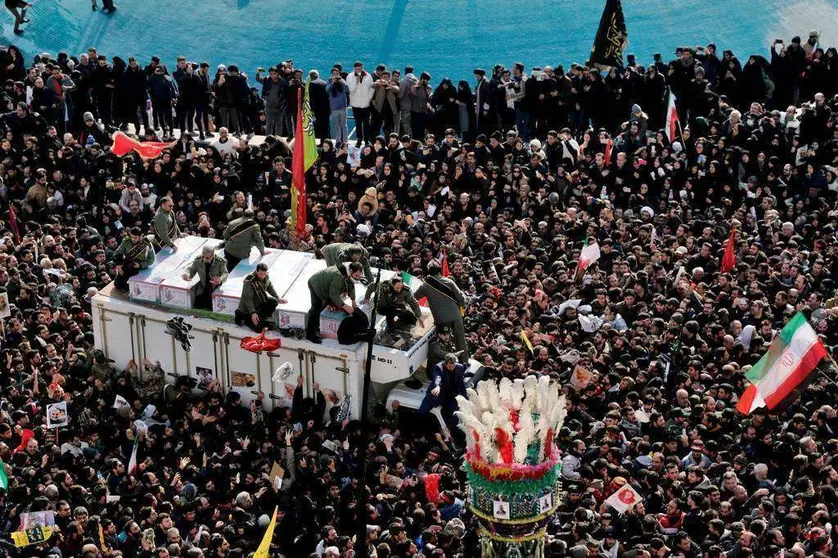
column 505, row 392
column 475, row 399
column 517, row 393
column 466, row 406
column 524, row 437
column 483, row 395
column 488, row 408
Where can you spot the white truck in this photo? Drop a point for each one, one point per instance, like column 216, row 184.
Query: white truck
column 128, row 327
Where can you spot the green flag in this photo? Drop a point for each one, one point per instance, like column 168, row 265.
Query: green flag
column 308, row 130
column 4, row 479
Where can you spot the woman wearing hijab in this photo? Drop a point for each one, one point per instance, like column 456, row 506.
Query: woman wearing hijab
column 444, row 101
column 465, row 110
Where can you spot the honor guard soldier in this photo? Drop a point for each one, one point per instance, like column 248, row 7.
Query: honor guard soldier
column 240, row 236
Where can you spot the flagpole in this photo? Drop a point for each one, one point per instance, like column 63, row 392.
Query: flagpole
column 361, row 549
column 823, row 373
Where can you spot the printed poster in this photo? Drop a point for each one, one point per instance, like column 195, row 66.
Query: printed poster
column 243, row 379
column 205, row 376
column 501, row 509
column 5, row 310
column 57, row 415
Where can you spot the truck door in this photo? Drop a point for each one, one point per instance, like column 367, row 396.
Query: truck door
column 334, row 374
column 281, row 392
column 242, row 370
column 117, row 334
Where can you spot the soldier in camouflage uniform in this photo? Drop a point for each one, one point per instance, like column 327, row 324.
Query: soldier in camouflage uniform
column 149, row 380
column 211, row 271
column 240, row 236
column 340, row 252
column 258, row 301
column 134, row 253
column 396, row 303
column 440, row 345
column 165, row 224
column 102, row 368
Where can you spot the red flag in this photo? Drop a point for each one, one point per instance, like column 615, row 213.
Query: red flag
column 445, row 271
column 25, row 436
column 608, row 147
column 13, row 223
column 260, row 343
column 298, row 173
column 729, row 259
column 123, row 145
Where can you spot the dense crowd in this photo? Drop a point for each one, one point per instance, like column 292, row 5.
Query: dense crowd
column 508, row 174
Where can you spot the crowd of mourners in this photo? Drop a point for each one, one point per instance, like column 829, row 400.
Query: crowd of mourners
column 509, row 173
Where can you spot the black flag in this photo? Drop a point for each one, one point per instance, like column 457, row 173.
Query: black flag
column 611, row 37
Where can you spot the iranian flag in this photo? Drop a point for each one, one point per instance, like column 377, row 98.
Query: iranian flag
column 413, row 283
column 132, row 463
column 672, row 123
column 589, row 254
column 4, row 478
column 791, row 358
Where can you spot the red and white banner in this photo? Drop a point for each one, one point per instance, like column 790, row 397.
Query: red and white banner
column 672, row 123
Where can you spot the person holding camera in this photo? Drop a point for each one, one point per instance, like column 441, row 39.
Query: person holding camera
column 385, row 102
column 338, row 101
column 360, row 85
column 420, row 96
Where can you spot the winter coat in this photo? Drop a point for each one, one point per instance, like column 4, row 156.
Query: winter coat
column 134, row 86
column 360, row 89
column 162, row 88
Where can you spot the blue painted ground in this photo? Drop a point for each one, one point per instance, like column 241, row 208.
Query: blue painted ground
column 443, row 37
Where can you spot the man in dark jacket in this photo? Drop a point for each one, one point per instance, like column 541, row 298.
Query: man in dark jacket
column 448, row 381
column 241, row 93
column 21, row 121
column 319, row 99
column 103, row 83
column 134, row 88
column 163, row 95
column 482, row 102
column 273, row 94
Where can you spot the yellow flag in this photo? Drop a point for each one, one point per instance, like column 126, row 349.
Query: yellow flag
column 527, row 341
column 36, row 535
column 265, row 546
